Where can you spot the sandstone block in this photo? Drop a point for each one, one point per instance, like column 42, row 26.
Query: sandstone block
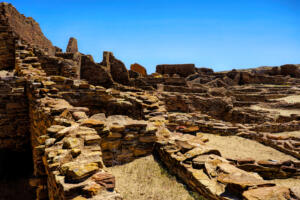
column 71, row 143
column 139, row 69
column 81, row 171
column 267, row 193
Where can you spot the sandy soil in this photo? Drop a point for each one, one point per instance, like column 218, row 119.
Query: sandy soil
column 144, row 179
column 237, row 147
column 291, row 99
column 284, row 112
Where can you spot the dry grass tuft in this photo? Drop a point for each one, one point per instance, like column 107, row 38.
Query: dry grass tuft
column 238, row 148
column 145, row 179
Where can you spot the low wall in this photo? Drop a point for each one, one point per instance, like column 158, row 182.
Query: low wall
column 205, row 171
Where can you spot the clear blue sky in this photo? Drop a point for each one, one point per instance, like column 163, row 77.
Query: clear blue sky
column 220, row 34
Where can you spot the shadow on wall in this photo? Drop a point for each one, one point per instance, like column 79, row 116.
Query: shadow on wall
column 15, row 170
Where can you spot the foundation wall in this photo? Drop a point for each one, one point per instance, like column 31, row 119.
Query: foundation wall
column 14, row 120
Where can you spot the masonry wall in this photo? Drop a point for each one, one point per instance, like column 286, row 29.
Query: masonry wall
column 25, row 28
column 14, row 132
column 7, row 48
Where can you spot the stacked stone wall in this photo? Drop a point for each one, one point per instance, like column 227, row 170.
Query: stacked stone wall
column 14, row 133
column 7, row 48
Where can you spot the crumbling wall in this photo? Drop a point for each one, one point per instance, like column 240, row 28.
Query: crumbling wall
column 182, row 70
column 116, row 68
column 125, row 139
column 14, row 133
column 71, row 150
column 7, row 47
column 94, row 73
column 25, row 28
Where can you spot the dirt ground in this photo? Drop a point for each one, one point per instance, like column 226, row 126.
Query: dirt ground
column 237, row 147
column 144, row 179
column 283, row 112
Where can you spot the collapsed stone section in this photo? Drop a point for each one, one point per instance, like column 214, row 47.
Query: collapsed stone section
column 116, row 68
column 76, row 129
column 62, row 64
column 207, row 172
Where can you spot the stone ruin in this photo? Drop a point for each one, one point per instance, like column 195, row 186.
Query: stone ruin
column 67, row 118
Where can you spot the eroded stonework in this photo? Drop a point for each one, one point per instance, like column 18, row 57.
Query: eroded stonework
column 80, row 117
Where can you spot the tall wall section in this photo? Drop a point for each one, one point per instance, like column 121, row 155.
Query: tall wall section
column 14, row 132
column 25, row 28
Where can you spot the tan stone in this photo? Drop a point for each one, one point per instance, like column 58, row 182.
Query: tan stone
column 139, row 69
column 79, row 115
column 92, row 189
column 140, row 152
column 147, row 139
column 78, row 172
column 114, row 135
column 92, row 139
column 79, row 198
column 75, row 152
column 71, row 143
column 110, row 145
column 117, row 128
column 92, row 123
column 268, row 193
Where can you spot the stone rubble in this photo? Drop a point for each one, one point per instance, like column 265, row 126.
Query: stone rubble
column 81, row 117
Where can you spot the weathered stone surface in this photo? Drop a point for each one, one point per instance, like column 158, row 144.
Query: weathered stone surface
column 268, row 193
column 72, row 46
column 105, row 179
column 71, row 143
column 139, row 69
column 116, row 68
column 79, row 172
column 25, row 28
column 95, row 73
column 46, row 103
column 291, row 70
